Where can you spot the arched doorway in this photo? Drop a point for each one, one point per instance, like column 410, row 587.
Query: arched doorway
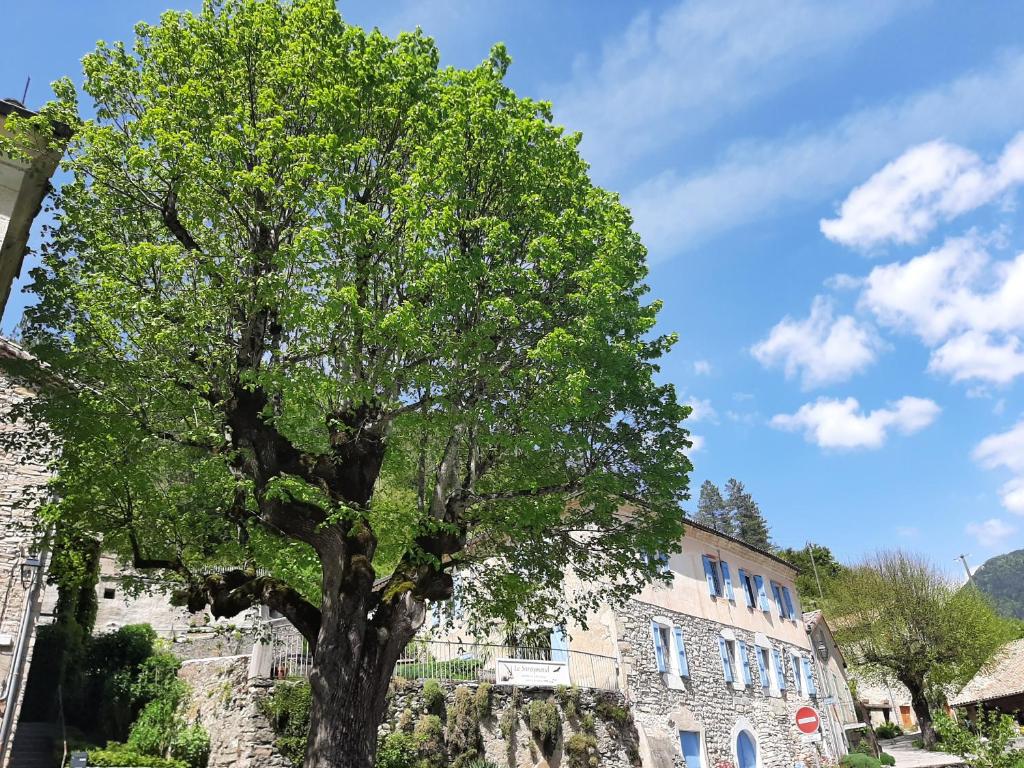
column 746, row 750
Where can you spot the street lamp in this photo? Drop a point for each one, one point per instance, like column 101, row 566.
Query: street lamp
column 29, row 568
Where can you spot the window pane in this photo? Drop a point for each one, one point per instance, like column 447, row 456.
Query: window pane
column 690, row 742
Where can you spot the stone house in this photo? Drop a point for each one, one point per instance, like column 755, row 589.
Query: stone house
column 836, row 702
column 998, row 686
column 23, row 454
column 715, row 665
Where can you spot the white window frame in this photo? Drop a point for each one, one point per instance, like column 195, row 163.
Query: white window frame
column 763, row 645
column 796, row 666
column 746, row 579
column 733, row 652
column 672, row 676
column 716, row 574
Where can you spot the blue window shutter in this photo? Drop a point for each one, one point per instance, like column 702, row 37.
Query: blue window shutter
column 726, row 664
column 760, row 668
column 684, row 668
column 762, row 598
column 659, row 649
column 743, row 588
column 690, row 742
column 728, row 581
column 777, row 594
column 780, row 671
column 559, row 645
column 788, row 598
column 662, row 562
column 744, row 663
column 709, row 574
column 809, row 678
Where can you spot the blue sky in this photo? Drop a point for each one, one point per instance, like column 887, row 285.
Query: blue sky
column 829, row 192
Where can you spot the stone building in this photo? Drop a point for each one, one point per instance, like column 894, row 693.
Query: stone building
column 999, row 685
column 23, row 454
column 836, row 699
column 715, row 665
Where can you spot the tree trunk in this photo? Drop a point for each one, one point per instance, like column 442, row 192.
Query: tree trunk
column 923, row 712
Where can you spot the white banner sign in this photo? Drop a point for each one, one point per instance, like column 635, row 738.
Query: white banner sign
column 546, row 674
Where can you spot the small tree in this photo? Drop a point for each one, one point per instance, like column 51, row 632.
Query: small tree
column 897, row 614
column 988, row 745
column 819, row 570
column 748, row 522
column 340, row 321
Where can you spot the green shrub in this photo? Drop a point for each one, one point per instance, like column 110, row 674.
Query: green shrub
column 544, row 722
column 433, row 697
column 858, row 760
column 192, row 745
column 570, row 698
column 463, row 727
column 888, row 731
column 886, row 759
column 581, row 750
column 611, row 712
column 483, row 701
column 989, row 746
column 587, row 724
column 429, row 736
column 287, row 709
column 918, row 743
column 156, row 727
column 124, row 757
column 397, row 750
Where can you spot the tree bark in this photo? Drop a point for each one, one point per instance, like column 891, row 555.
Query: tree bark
column 352, row 668
column 923, row 711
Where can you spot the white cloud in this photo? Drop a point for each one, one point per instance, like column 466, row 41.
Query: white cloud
column 698, row 443
column 843, row 282
column 929, row 183
column 974, row 355
column 991, row 532
column 968, row 307
column 831, row 423
column 702, row 410
column 1005, row 450
column 702, row 367
column 821, row 348
column 675, row 212
column 681, row 70
column 908, row 531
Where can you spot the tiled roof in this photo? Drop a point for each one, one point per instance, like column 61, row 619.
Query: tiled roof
column 810, row 619
column 1002, row 677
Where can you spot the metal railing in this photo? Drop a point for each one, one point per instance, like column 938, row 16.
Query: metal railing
column 443, row 660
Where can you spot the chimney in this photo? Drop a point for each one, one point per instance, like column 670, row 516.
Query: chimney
column 22, row 189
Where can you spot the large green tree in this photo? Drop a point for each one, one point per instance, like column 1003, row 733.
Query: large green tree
column 748, row 522
column 898, row 615
column 819, row 570
column 324, row 306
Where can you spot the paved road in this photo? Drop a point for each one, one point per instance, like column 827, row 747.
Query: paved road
column 909, row 756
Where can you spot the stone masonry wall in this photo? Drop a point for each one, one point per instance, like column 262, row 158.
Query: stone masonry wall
column 23, row 479
column 704, row 701
column 225, row 702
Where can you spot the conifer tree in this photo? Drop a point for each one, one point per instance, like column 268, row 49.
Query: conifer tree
column 749, row 523
column 711, row 509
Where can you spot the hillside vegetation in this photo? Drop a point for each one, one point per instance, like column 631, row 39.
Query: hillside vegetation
column 1001, row 578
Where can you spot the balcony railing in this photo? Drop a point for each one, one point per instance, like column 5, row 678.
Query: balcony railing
column 442, row 660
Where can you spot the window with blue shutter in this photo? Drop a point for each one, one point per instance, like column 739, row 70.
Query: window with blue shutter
column 794, row 664
column 809, row 678
column 744, row 588
column 659, row 647
column 780, row 671
column 711, row 576
column 777, row 594
column 762, row 598
column 728, row 581
column 744, row 663
column 762, row 667
column 788, row 599
column 723, row 648
column 690, row 743
column 662, row 562
column 684, row 668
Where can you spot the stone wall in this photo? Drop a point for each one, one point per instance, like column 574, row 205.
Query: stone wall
column 223, row 701
column 23, row 479
column 226, row 703
column 704, row 702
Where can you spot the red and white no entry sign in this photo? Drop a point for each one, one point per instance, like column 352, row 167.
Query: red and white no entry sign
column 807, row 720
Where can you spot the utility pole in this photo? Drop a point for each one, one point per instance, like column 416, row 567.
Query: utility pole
column 967, row 568
column 24, row 94
column 814, row 566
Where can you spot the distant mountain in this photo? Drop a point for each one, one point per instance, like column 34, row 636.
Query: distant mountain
column 1001, row 578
